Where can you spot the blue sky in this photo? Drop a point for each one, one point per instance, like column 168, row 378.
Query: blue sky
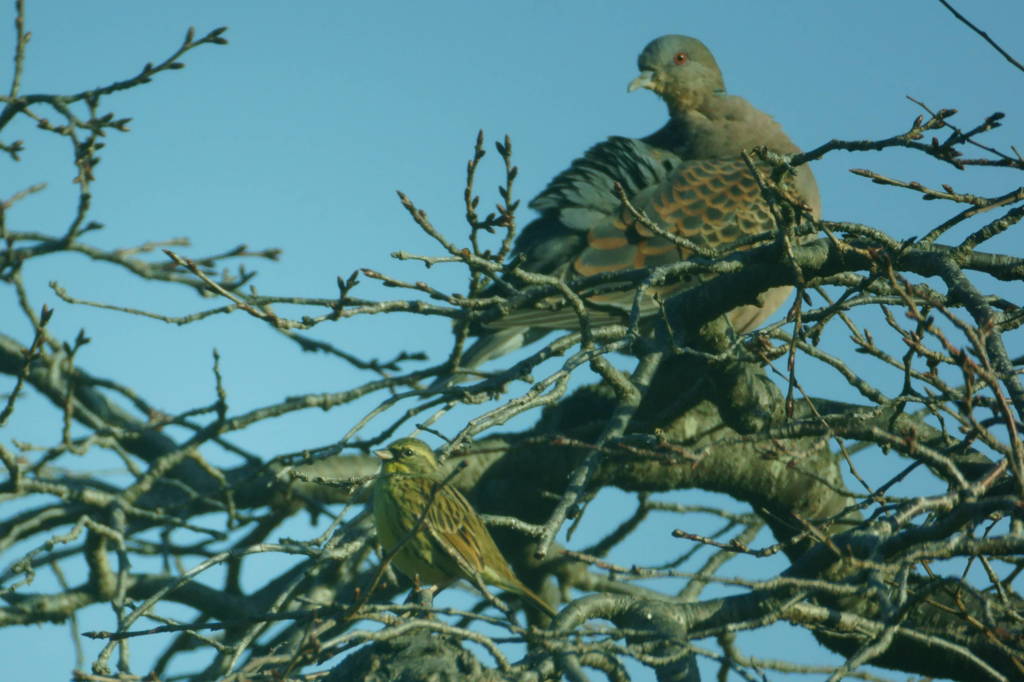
column 297, row 134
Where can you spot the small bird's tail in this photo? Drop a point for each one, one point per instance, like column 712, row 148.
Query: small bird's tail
column 535, row 599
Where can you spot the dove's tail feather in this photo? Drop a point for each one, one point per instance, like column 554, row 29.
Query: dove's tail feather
column 489, row 346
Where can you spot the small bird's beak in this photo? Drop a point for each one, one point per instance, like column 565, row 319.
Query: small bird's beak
column 644, row 80
column 384, row 454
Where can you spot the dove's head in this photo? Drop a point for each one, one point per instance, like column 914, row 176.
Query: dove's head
column 681, row 70
column 408, row 456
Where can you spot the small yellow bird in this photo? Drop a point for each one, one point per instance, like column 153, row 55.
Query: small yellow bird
column 451, row 541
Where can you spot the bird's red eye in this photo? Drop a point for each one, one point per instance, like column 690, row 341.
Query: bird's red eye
column 680, row 58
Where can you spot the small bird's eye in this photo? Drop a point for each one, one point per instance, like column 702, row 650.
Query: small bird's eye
column 680, row 58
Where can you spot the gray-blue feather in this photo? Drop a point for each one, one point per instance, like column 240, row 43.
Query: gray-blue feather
column 585, row 192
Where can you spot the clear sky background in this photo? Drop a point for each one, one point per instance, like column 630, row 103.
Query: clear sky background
column 297, row 134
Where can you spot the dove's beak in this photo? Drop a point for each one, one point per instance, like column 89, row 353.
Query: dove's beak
column 644, row 80
column 384, row 454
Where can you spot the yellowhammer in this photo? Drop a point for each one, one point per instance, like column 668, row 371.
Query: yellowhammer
column 450, row 541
